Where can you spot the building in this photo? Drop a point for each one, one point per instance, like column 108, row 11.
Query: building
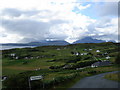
column 77, row 53
column 84, row 53
column 97, row 50
column 85, row 50
column 16, row 57
column 58, row 48
column 4, row 78
column 108, row 57
column 101, row 63
column 90, row 49
column 12, row 54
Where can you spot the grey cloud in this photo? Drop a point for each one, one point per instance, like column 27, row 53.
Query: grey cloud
column 3, row 35
column 26, row 40
column 11, row 12
column 58, row 21
column 27, row 28
column 102, row 23
column 37, row 30
column 109, row 37
column 107, row 9
column 17, row 12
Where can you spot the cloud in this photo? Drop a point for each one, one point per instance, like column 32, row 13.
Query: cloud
column 83, row 7
column 107, row 9
column 104, row 29
column 41, row 20
column 38, row 30
column 17, row 12
column 56, row 21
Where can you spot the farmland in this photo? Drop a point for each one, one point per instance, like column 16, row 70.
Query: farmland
column 57, row 64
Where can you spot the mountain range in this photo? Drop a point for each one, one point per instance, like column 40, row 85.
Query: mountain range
column 57, row 42
column 88, row 40
column 41, row 43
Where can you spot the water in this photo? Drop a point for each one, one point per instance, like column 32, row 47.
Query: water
column 3, row 47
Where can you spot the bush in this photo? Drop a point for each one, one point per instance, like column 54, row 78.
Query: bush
column 73, row 59
column 21, row 81
column 92, row 72
column 81, row 64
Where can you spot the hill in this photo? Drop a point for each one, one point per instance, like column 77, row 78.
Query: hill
column 41, row 43
column 59, row 65
column 89, row 40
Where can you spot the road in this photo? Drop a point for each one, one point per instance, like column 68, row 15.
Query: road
column 97, row 81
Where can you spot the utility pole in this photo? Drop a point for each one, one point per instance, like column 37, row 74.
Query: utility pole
column 29, row 83
column 43, row 84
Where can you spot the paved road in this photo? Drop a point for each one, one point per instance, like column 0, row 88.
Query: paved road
column 97, row 81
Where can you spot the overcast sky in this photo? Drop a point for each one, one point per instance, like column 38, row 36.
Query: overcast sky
column 70, row 20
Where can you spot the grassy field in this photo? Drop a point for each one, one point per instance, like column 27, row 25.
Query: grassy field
column 114, row 77
column 51, row 62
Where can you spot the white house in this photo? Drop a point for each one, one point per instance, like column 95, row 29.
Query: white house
column 85, row 49
column 90, row 49
column 4, row 78
column 77, row 53
column 97, row 50
column 105, row 53
column 58, row 48
column 16, row 57
column 108, row 57
column 37, row 57
column 83, row 53
column 31, row 57
column 66, row 66
column 26, row 57
column 79, row 68
column 12, row 54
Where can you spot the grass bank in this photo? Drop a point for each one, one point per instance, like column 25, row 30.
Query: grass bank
column 113, row 76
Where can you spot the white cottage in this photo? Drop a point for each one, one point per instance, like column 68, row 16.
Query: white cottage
column 97, row 50
column 12, row 54
column 90, row 49
column 84, row 53
column 108, row 57
column 77, row 53
column 16, row 57
column 58, row 48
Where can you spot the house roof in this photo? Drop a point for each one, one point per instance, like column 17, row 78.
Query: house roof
column 102, row 63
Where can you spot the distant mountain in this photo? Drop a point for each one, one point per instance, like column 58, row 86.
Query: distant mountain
column 46, row 43
column 41, row 43
column 57, row 42
column 15, row 44
column 89, row 40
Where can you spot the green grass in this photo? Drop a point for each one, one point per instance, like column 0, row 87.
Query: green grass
column 60, row 57
column 113, row 76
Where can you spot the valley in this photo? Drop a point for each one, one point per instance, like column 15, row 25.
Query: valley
column 57, row 64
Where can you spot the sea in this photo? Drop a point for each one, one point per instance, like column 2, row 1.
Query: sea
column 4, row 47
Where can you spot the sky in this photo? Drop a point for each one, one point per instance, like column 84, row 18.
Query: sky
column 24, row 21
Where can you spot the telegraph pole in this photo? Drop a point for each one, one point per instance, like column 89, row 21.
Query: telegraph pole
column 29, row 83
column 43, row 84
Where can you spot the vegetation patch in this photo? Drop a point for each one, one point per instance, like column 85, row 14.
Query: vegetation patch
column 113, row 76
column 60, row 66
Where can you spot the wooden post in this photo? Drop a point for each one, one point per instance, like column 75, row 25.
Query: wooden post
column 29, row 83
